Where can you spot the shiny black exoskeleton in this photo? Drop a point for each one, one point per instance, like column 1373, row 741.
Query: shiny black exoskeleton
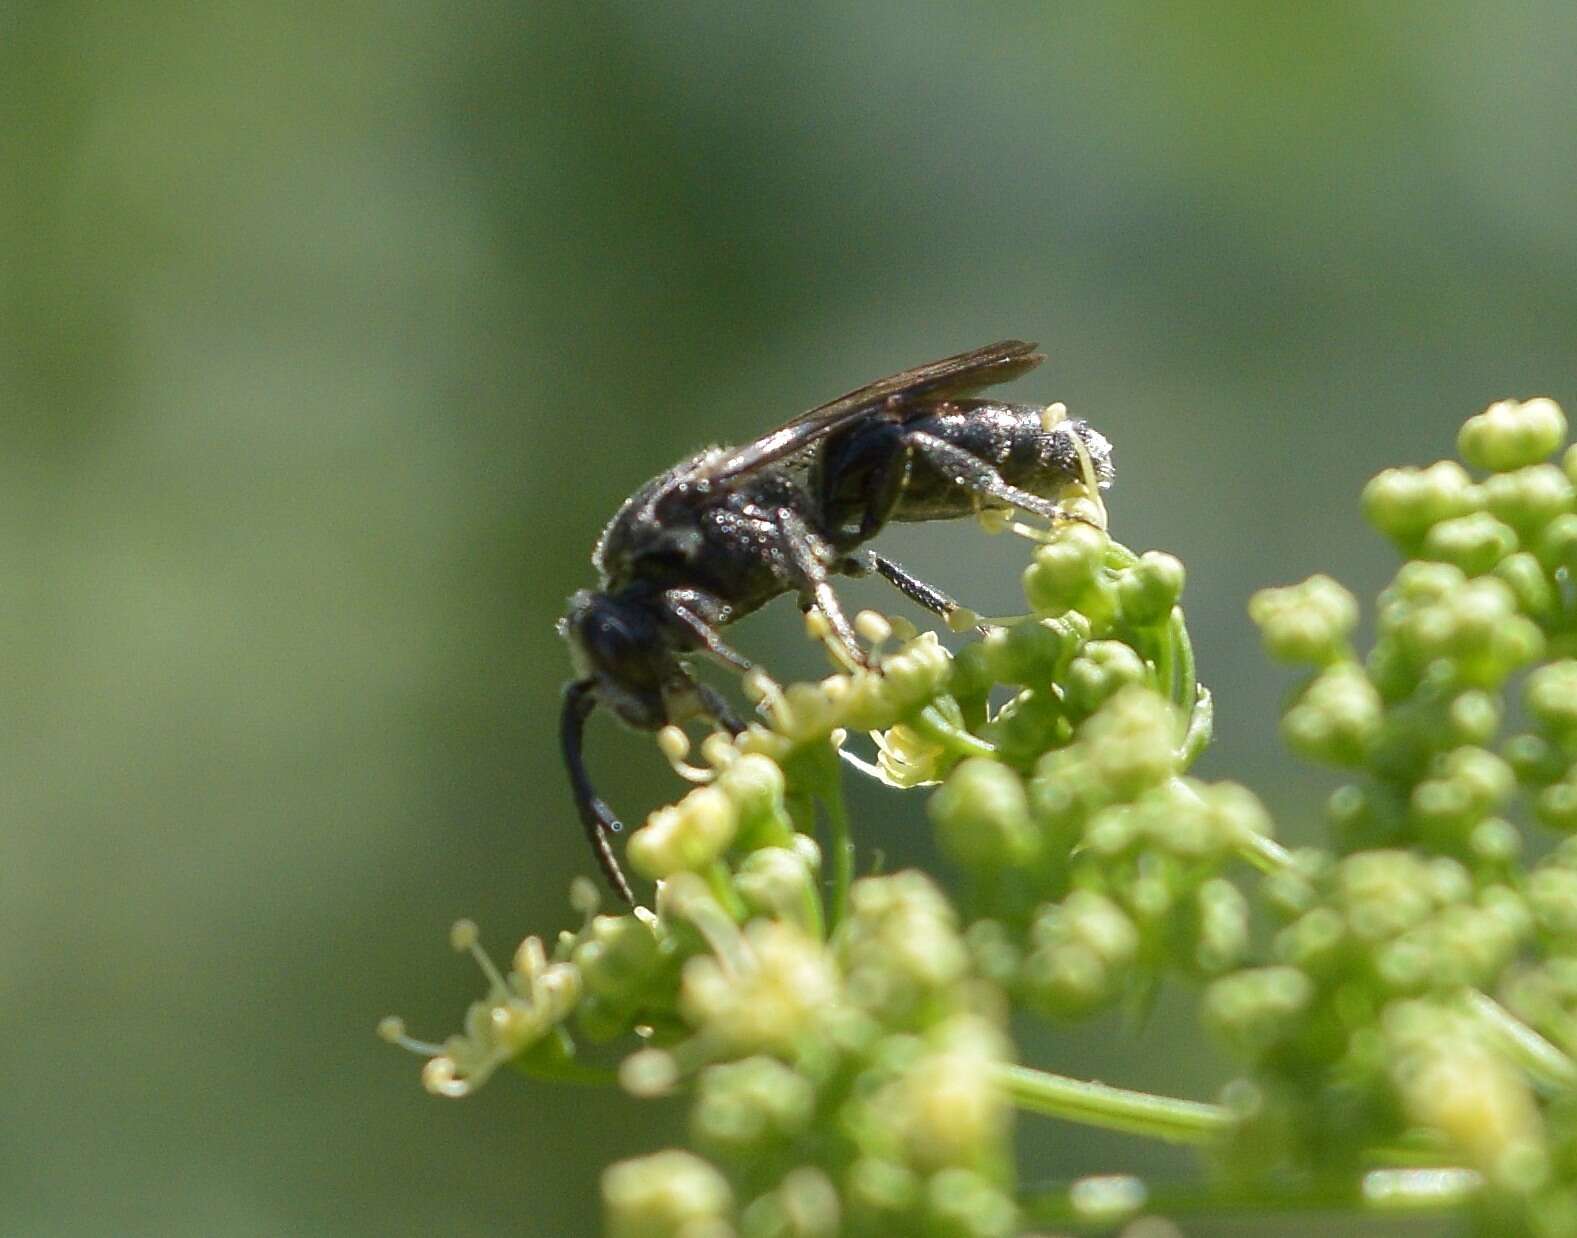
column 731, row 528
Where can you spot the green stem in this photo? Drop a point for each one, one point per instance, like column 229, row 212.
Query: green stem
column 842, row 844
column 1117, row 1109
column 1541, row 1059
column 1188, row 676
column 1119, row 556
column 721, row 883
column 1166, row 663
column 1265, row 854
column 1094, row 1204
column 1260, row 850
column 1201, row 725
column 931, row 723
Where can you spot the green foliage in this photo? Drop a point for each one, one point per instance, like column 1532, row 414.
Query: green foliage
column 1408, row 998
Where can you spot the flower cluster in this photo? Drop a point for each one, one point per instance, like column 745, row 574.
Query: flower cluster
column 1420, row 966
column 1404, row 995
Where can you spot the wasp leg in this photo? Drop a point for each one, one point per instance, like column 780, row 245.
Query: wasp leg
column 688, row 609
column 809, row 575
column 979, row 478
column 580, row 698
column 916, row 590
column 922, row 594
column 715, row 707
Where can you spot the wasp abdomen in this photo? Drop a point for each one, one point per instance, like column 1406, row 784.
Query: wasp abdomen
column 1013, row 439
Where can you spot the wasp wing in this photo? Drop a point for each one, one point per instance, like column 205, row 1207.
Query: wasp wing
column 957, row 375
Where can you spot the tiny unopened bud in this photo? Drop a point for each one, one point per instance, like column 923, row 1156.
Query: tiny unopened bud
column 672, row 1194
column 982, row 816
column 873, row 627
column 1511, row 435
column 1308, row 622
column 1475, row 543
column 648, row 1073
column 1405, row 503
column 1149, row 590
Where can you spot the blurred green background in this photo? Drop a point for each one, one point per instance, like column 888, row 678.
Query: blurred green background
column 330, row 334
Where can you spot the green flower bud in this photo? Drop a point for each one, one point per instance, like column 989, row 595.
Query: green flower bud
column 909, row 679
column 685, row 836
column 1030, row 653
column 1404, row 503
column 963, row 1204
column 1255, row 1009
column 1473, row 716
column 770, row 1000
column 1336, row 718
column 1066, row 570
column 1556, row 804
column 1034, row 720
column 746, row 1107
column 1476, row 628
column 1384, row 893
column 1469, row 784
column 1511, row 435
column 1495, row 842
column 982, row 816
column 1129, row 743
column 1550, row 695
column 994, row 950
column 1552, row 897
column 777, row 882
column 1314, row 942
column 1536, row 761
column 618, row 956
column 1556, row 544
column 1308, row 622
column 1417, row 583
column 1365, row 817
column 899, row 948
column 1223, row 933
column 1473, row 543
column 669, row 1195
column 1291, row 890
column 1530, row 498
column 1536, row 597
column 1063, row 793
column 805, row 1205
column 879, row 1191
column 1147, row 592
column 1080, row 951
column 1462, row 945
column 755, row 785
column 1451, row 1082
column 1102, row 669
column 973, row 673
column 946, row 1104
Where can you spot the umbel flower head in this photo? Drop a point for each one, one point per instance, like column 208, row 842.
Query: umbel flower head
column 1405, row 991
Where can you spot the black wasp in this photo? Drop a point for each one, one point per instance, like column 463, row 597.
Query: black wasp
column 731, row 528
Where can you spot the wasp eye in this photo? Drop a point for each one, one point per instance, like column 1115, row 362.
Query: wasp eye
column 618, row 641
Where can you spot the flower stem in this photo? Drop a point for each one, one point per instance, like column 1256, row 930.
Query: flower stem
column 1098, row 1204
column 842, row 847
column 934, row 725
column 1541, row 1059
column 1118, row 1109
column 1265, row 853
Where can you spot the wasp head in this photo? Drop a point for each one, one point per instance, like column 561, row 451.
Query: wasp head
column 618, row 644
